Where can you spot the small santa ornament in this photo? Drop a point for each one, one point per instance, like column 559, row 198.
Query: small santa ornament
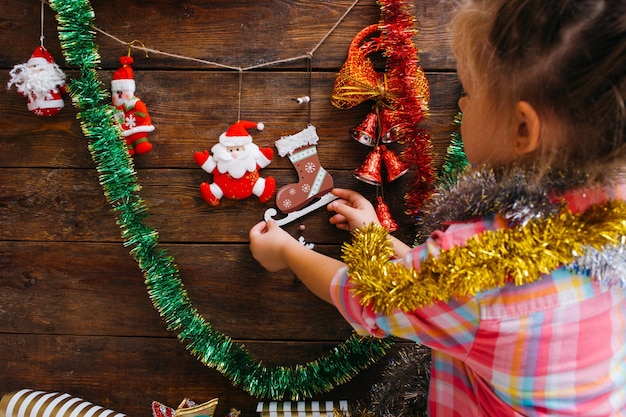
column 235, row 163
column 40, row 80
column 132, row 113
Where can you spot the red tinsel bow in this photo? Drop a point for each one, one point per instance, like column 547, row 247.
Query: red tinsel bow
column 358, row 81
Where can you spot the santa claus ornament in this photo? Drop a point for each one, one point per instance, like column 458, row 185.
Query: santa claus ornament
column 132, row 115
column 41, row 81
column 235, row 162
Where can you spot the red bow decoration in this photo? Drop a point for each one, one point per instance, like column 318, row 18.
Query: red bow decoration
column 401, row 94
column 358, row 81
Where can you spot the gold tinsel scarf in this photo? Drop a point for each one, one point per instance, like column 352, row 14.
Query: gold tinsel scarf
column 592, row 243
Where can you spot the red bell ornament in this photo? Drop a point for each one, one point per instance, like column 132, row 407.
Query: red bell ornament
column 390, row 125
column 369, row 171
column 384, row 215
column 393, row 164
column 366, row 131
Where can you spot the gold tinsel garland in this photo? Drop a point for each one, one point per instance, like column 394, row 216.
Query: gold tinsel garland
column 488, row 260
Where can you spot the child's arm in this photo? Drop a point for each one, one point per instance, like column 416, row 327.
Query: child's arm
column 354, row 211
column 275, row 249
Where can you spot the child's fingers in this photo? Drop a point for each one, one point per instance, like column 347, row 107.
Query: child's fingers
column 340, row 222
column 340, row 192
column 334, row 204
column 349, row 195
column 338, row 218
column 343, row 208
column 258, row 229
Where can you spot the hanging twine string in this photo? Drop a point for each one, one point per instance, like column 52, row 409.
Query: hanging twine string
column 309, row 70
column 41, row 37
column 307, row 55
column 239, row 94
column 133, row 42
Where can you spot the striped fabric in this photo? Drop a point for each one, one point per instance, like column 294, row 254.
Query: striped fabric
column 30, row 403
column 301, row 408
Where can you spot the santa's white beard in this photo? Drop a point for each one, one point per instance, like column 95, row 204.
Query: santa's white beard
column 37, row 81
column 121, row 101
column 237, row 168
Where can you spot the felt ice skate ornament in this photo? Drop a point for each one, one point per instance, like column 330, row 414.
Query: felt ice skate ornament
column 41, row 81
column 132, row 115
column 30, row 403
column 235, row 162
column 187, row 408
column 313, row 181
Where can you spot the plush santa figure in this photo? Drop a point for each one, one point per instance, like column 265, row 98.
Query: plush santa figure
column 40, row 80
column 235, row 163
column 133, row 114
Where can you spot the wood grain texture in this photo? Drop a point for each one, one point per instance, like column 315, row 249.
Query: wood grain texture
column 191, row 109
column 122, row 373
column 237, row 33
column 75, row 315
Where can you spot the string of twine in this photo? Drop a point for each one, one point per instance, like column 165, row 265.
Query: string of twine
column 306, row 55
column 41, row 37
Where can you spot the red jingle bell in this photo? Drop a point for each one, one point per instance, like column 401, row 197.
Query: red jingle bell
column 369, row 171
column 394, row 165
column 384, row 215
column 366, row 131
column 390, row 125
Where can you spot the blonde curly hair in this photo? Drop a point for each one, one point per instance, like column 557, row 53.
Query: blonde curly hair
column 567, row 58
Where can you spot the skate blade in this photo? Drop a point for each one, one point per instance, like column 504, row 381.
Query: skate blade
column 324, row 200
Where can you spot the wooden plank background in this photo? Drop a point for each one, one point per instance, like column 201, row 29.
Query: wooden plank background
column 75, row 315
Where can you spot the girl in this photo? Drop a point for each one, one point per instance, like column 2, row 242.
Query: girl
column 520, row 290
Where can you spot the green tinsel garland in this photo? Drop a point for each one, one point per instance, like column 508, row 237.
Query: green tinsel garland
column 118, row 179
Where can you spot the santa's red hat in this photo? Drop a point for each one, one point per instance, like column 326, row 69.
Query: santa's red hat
column 123, row 79
column 237, row 134
column 41, row 56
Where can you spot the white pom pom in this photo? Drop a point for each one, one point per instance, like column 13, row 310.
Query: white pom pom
column 303, row 99
column 260, row 126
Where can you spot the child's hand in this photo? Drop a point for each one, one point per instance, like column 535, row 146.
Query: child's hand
column 352, row 210
column 267, row 240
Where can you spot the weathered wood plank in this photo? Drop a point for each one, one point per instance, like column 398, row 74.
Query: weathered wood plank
column 69, row 205
column 53, row 288
column 191, row 109
column 238, row 33
column 127, row 373
column 54, row 204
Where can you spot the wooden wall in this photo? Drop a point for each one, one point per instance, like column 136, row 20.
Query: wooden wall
column 74, row 312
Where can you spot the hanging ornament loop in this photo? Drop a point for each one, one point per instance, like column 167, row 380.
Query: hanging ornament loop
column 132, row 44
column 41, row 35
column 309, row 71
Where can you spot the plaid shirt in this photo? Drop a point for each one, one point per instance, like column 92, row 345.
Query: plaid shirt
column 556, row 347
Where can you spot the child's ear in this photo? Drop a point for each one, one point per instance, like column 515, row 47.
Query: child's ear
column 528, row 128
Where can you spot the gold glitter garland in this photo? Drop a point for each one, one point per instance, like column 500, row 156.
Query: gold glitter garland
column 489, row 260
